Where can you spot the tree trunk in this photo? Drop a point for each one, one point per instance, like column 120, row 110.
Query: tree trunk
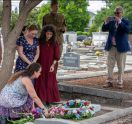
column 10, row 37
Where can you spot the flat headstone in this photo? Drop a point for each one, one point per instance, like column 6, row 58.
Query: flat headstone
column 90, row 54
column 71, row 60
column 97, row 107
column 60, row 74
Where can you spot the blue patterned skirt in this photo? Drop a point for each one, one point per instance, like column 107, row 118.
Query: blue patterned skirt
column 8, row 112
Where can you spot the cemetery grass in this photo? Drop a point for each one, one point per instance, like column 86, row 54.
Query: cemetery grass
column 98, row 82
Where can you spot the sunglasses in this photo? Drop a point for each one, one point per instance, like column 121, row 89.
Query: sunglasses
column 117, row 12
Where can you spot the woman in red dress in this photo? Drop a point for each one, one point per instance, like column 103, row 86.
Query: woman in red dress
column 46, row 85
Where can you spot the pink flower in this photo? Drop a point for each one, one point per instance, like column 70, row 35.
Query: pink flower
column 56, row 113
column 37, row 108
column 50, row 110
column 36, row 115
column 60, row 109
column 54, row 109
column 52, row 114
column 62, row 113
column 33, row 110
column 26, row 114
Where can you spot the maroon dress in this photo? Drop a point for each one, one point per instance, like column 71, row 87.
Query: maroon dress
column 46, row 85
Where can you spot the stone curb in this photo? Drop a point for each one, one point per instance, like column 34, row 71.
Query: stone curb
column 54, row 121
column 93, row 91
column 88, row 75
column 108, row 116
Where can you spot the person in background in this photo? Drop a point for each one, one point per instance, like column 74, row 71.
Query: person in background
column 46, row 85
column 58, row 20
column 0, row 50
column 14, row 96
column 117, row 45
column 24, row 30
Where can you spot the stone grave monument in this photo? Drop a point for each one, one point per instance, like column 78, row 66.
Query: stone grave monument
column 99, row 38
column 71, row 61
column 72, row 38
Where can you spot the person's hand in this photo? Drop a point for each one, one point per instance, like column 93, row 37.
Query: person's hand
column 28, row 66
column 117, row 19
column 46, row 112
column 63, row 28
column 51, row 69
column 107, row 19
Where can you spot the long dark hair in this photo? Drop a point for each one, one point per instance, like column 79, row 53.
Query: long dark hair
column 29, row 72
column 42, row 35
column 23, row 29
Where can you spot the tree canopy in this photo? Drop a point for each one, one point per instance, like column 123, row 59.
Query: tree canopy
column 75, row 12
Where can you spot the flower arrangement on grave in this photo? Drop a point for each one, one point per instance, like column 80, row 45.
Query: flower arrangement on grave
column 73, row 109
column 97, row 53
column 29, row 116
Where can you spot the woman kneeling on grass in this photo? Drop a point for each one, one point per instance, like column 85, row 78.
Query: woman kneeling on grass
column 14, row 96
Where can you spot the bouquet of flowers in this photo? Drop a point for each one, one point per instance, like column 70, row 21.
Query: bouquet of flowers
column 73, row 109
column 97, row 53
column 29, row 116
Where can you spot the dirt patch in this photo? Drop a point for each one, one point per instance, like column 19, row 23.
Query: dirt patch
column 123, row 120
column 98, row 82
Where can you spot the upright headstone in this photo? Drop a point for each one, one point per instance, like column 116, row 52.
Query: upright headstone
column 71, row 61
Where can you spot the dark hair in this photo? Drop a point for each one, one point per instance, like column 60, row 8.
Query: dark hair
column 32, row 27
column 29, row 72
column 23, row 29
column 42, row 35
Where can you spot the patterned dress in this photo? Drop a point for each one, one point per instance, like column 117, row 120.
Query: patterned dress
column 28, row 50
column 14, row 97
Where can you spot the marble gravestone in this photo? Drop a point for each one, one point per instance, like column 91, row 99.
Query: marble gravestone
column 71, row 61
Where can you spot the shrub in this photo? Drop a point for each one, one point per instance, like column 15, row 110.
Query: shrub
column 79, row 32
column 88, row 42
column 85, row 33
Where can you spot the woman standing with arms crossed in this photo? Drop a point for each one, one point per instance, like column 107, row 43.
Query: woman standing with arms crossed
column 46, row 85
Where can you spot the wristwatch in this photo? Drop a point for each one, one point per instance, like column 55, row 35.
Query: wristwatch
column 44, row 108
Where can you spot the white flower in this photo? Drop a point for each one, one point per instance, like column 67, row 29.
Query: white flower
column 74, row 111
column 87, row 111
column 70, row 100
column 63, row 107
column 83, row 107
column 90, row 105
column 78, row 101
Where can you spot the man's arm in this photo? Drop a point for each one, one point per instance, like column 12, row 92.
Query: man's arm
column 42, row 22
column 125, row 26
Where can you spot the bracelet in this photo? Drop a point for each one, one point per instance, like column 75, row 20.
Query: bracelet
column 53, row 64
column 1, row 57
column 44, row 108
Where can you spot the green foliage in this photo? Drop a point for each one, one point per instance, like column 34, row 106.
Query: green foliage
column 75, row 12
column 14, row 18
column 1, row 8
column 85, row 33
column 93, row 28
column 79, row 32
column 33, row 17
column 16, row 10
column 88, row 42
